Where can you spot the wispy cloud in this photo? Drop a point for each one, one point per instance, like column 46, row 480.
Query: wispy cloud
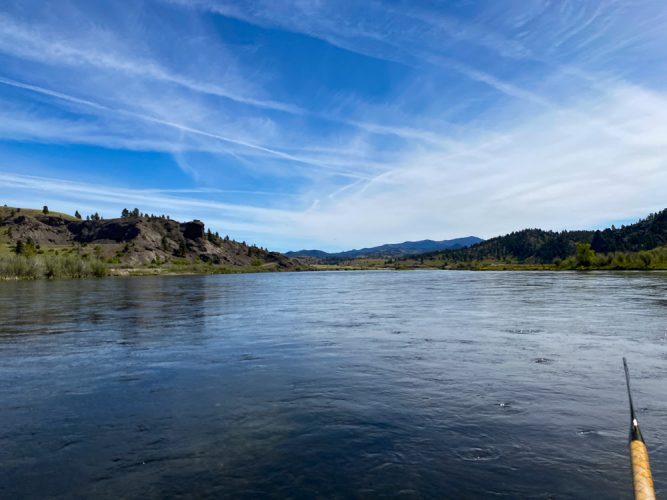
column 538, row 164
column 42, row 45
column 152, row 199
column 177, row 126
column 21, row 41
column 343, row 124
column 402, row 43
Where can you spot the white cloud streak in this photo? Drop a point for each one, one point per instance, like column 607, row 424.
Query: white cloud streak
column 490, row 130
column 176, row 126
column 21, row 41
column 570, row 177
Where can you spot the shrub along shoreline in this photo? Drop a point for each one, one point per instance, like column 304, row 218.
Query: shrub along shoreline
column 51, row 267
column 72, row 266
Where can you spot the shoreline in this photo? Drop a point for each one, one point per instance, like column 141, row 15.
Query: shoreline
column 146, row 272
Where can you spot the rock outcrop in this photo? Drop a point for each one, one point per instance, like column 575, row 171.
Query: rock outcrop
column 139, row 240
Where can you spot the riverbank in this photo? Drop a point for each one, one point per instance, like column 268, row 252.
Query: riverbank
column 584, row 259
column 21, row 267
column 49, row 266
column 587, row 260
column 36, row 244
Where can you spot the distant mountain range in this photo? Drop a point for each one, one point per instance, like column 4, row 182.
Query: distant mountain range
column 544, row 247
column 390, row 250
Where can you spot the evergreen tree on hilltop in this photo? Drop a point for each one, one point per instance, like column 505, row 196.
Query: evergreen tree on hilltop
column 544, row 247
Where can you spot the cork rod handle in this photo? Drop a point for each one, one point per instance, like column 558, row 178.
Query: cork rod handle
column 641, row 471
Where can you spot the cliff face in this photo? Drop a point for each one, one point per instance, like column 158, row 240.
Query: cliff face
column 138, row 240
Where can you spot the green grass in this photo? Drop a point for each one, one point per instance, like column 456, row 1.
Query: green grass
column 75, row 261
column 50, row 267
column 7, row 211
column 191, row 268
column 6, row 245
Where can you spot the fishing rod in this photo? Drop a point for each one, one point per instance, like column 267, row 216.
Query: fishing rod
column 641, row 469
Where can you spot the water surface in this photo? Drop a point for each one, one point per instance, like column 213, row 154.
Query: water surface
column 422, row 384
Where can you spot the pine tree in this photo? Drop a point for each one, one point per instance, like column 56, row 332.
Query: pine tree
column 77, row 215
column 182, row 249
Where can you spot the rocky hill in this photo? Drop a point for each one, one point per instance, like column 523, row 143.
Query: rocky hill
column 135, row 239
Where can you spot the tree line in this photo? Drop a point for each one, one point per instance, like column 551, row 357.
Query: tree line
column 537, row 246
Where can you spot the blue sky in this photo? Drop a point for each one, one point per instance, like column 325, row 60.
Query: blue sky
column 337, row 124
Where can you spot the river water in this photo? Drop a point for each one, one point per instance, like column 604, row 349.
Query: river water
column 424, row 384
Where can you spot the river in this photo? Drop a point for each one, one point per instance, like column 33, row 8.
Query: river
column 423, row 384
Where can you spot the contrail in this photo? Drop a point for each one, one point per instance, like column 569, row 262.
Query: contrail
column 177, row 126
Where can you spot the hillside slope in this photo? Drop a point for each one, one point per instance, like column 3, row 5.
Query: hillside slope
column 133, row 240
column 544, row 247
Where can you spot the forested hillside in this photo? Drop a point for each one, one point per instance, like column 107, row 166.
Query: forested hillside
column 537, row 246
